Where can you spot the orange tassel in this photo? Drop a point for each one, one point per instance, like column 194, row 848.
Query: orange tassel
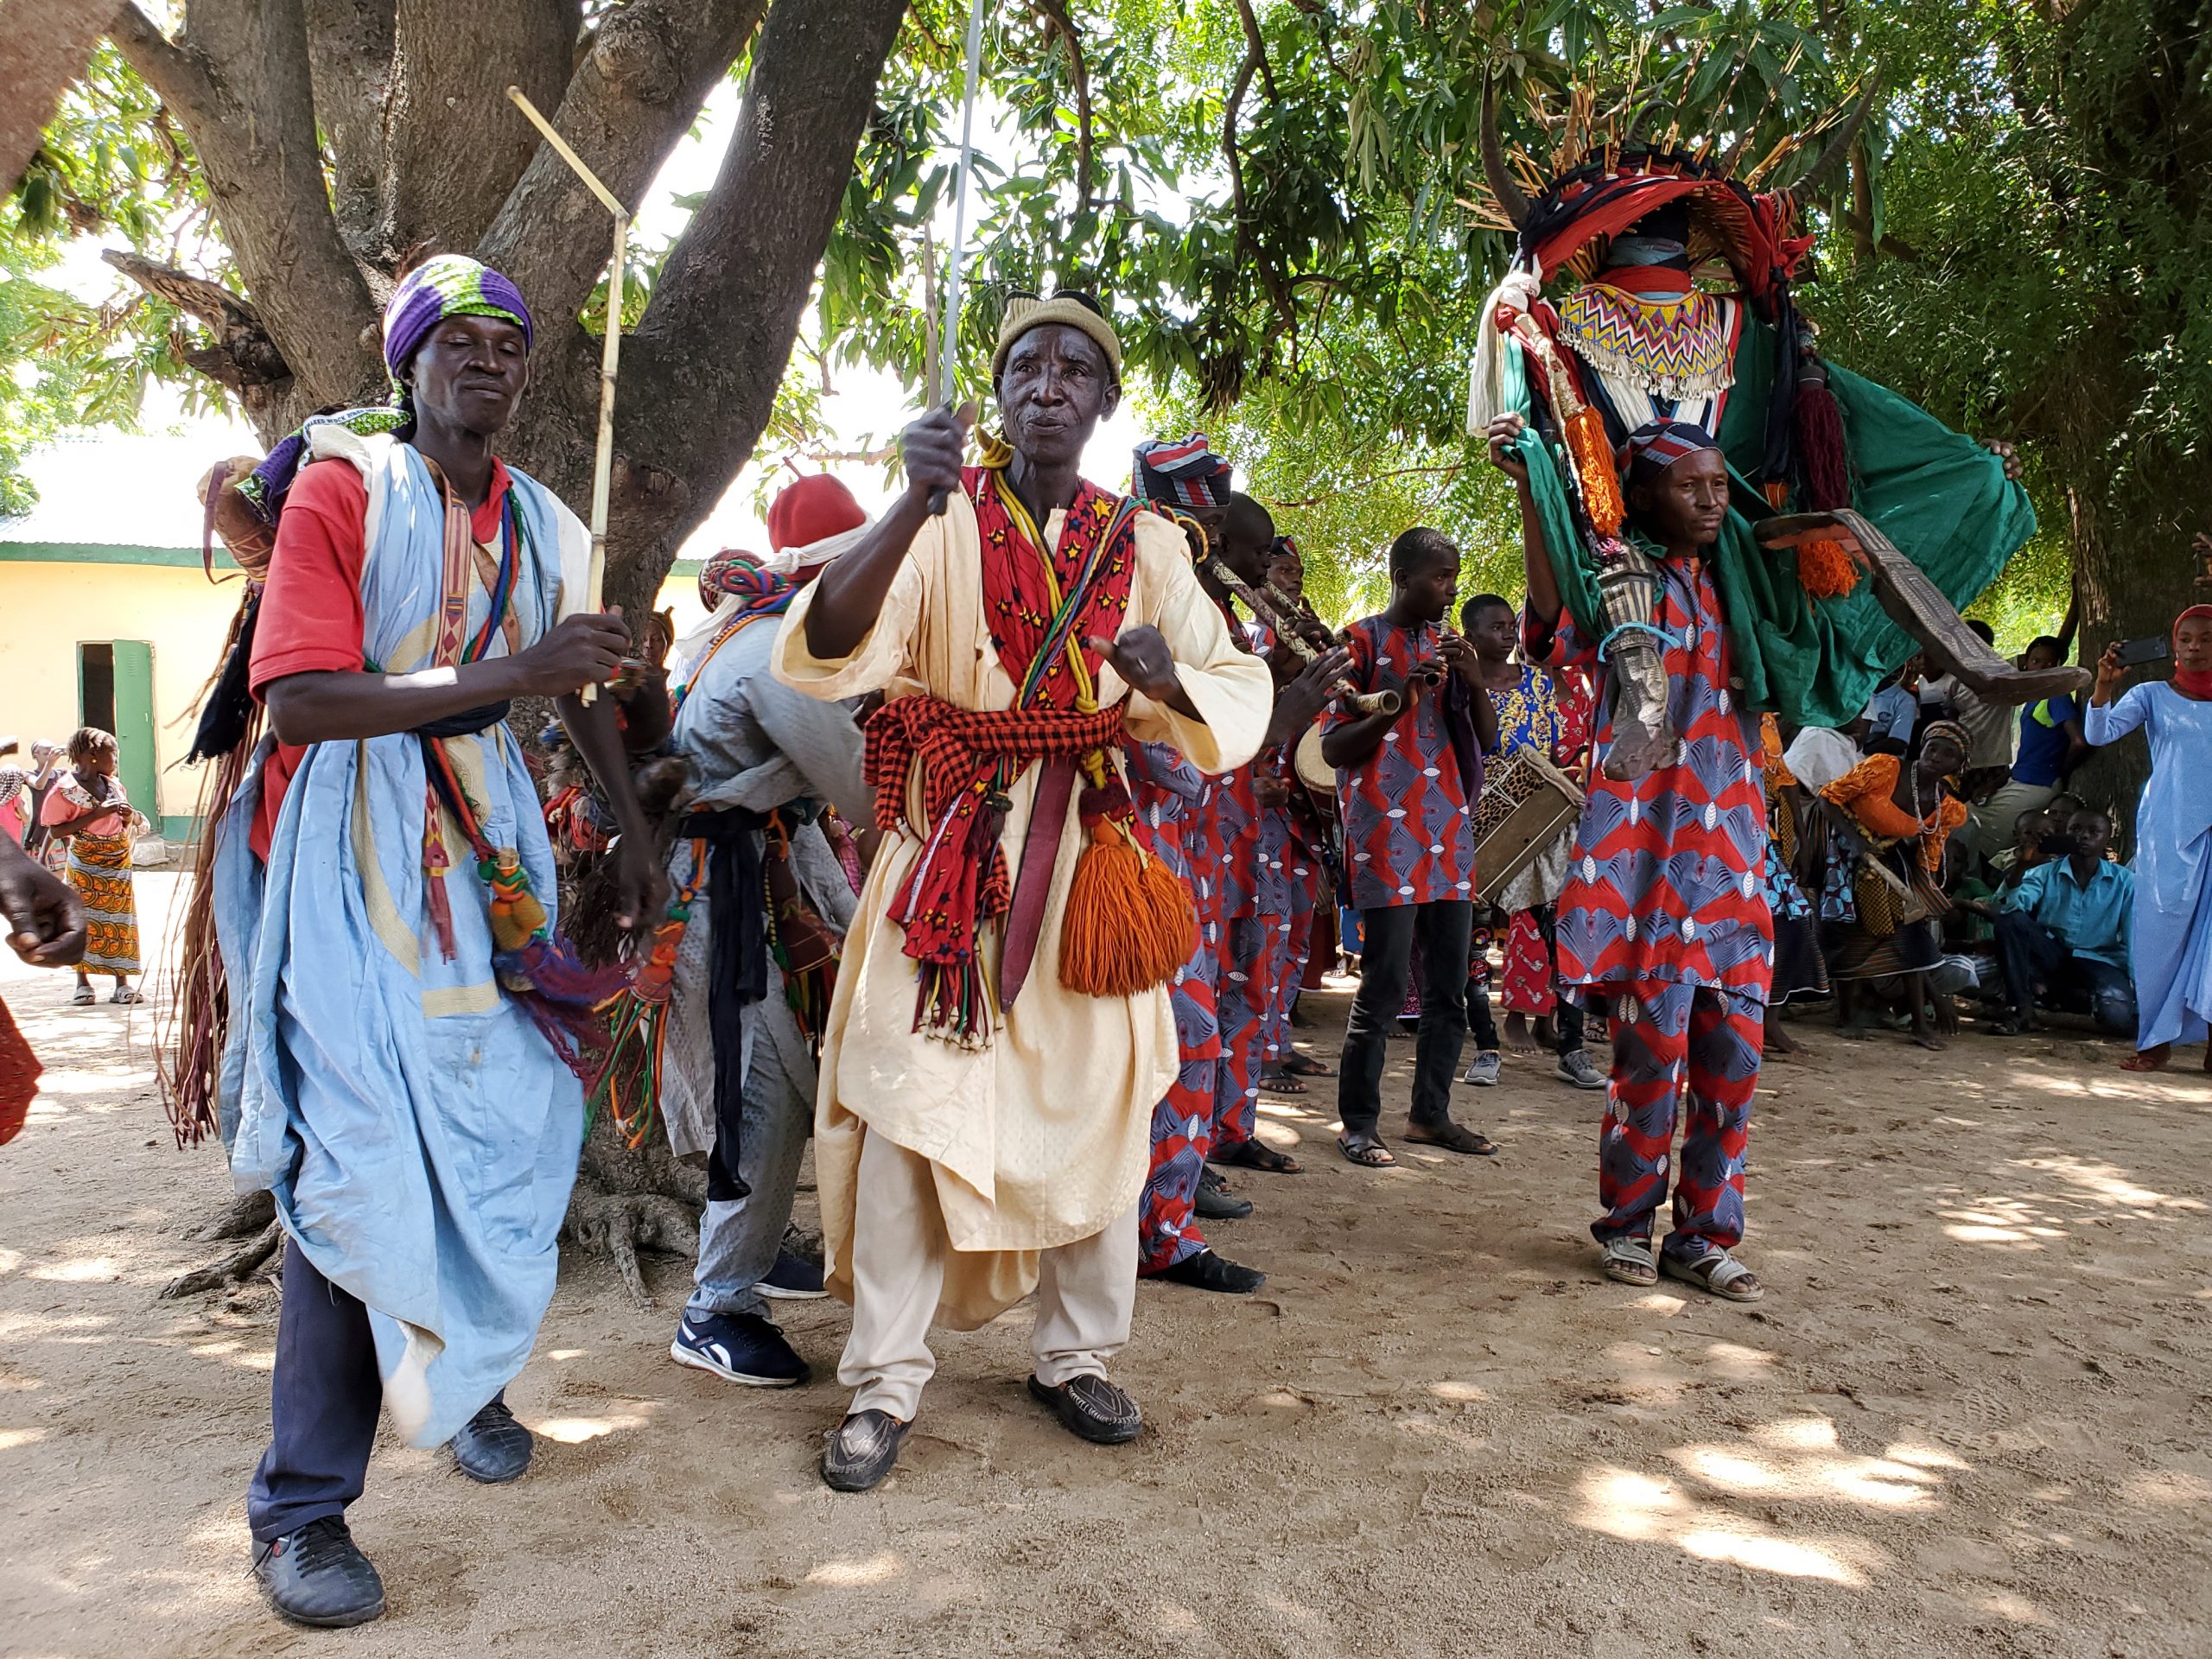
column 517, row 916
column 1825, row 570
column 1593, row 463
column 1129, row 923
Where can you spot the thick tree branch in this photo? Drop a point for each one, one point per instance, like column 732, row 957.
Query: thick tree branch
column 349, row 53
column 1057, row 21
column 701, row 373
column 243, row 358
column 457, row 145
column 238, row 83
column 1256, row 48
column 637, row 92
column 44, row 49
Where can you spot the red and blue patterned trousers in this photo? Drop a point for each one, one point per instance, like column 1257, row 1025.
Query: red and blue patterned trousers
column 1253, row 950
column 1668, row 1036
column 1182, row 1125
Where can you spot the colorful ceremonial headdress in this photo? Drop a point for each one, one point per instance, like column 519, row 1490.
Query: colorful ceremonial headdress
column 1606, row 190
column 1181, row 473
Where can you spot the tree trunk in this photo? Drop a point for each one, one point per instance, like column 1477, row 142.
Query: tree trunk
column 2135, row 571
column 44, row 45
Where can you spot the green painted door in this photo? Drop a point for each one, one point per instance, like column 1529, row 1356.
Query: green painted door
column 136, row 763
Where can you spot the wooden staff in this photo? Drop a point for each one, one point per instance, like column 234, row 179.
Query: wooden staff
column 1270, row 608
column 602, row 478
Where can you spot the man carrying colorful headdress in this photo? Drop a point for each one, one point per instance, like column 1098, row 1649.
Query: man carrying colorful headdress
column 1002, row 1027
column 401, row 1067
column 1651, row 284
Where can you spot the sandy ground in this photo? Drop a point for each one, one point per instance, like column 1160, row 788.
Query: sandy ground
column 1969, row 1419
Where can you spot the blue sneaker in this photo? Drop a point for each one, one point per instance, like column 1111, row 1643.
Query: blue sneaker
column 739, row 1347
column 793, row 1278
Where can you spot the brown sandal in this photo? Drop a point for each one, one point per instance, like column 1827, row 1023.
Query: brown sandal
column 1452, row 1137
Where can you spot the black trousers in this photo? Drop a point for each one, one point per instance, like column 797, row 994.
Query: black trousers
column 2030, row 954
column 1385, row 964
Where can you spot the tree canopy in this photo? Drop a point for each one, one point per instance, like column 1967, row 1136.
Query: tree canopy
column 1281, row 202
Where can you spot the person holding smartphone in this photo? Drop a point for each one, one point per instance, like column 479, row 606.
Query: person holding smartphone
column 2173, row 836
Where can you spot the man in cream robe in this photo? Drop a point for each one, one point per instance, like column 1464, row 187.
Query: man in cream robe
column 955, row 1178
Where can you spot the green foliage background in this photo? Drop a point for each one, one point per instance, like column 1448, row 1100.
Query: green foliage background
column 1279, row 203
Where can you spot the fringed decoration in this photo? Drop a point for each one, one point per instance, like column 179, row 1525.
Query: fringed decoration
column 1594, row 465
column 1129, row 924
column 188, row 1054
column 1825, row 570
column 636, row 1018
column 1820, row 451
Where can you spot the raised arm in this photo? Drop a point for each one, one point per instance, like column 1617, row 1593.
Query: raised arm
column 1544, row 601
column 850, row 594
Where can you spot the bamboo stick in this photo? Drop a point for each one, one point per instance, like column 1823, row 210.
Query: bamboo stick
column 602, row 478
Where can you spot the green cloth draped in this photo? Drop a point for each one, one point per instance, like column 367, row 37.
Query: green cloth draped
column 1941, row 498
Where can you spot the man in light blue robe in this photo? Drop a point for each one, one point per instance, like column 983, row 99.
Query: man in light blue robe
column 400, row 1073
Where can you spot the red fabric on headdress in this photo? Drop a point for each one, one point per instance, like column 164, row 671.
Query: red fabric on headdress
column 812, row 510
column 2197, row 685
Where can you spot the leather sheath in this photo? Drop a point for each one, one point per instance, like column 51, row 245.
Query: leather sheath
column 1033, row 883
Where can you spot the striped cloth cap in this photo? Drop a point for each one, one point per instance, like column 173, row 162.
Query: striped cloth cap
column 1182, row 473
column 1657, row 445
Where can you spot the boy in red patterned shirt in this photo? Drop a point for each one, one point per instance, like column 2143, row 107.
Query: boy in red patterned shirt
column 1406, row 787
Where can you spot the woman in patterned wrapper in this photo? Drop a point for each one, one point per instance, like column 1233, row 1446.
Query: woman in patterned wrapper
column 1664, row 917
column 86, row 811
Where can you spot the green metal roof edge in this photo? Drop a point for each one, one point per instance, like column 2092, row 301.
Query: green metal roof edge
column 184, row 557
column 107, row 553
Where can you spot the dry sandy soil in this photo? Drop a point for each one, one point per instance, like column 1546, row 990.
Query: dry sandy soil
column 1969, row 1419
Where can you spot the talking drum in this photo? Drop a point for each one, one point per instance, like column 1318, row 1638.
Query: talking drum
column 1523, row 823
column 1313, row 771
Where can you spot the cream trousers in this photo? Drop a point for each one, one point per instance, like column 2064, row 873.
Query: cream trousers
column 1086, row 1291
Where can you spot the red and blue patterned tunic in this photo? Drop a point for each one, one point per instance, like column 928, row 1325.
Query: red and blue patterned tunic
column 1409, row 837
column 1667, row 879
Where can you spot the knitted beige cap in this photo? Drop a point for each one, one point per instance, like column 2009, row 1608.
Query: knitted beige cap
column 1026, row 311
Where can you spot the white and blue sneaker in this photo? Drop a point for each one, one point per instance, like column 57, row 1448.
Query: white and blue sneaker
column 739, row 1347
column 1483, row 1070
column 793, row 1278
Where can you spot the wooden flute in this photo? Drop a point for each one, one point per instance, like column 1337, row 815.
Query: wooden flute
column 1273, row 607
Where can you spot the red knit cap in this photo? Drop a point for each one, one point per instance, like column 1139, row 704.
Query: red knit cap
column 812, row 510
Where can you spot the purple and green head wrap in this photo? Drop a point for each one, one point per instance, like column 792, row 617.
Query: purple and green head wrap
column 450, row 285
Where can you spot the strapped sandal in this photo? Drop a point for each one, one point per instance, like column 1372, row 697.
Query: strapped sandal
column 84, row 998
column 1365, row 1151
column 1627, row 1260
column 1305, row 1065
column 1281, row 1083
column 1716, row 1272
column 1255, row 1154
column 125, row 996
column 1452, row 1137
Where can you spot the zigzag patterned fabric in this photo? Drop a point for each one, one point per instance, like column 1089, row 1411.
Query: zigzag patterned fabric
column 1668, row 881
column 1673, row 348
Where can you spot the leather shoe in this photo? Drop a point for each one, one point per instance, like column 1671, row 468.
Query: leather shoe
column 317, row 1575
column 1213, row 1205
column 1209, row 1270
column 860, row 1451
column 492, row 1447
column 1092, row 1407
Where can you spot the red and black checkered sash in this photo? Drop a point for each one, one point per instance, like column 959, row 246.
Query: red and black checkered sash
column 969, row 757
